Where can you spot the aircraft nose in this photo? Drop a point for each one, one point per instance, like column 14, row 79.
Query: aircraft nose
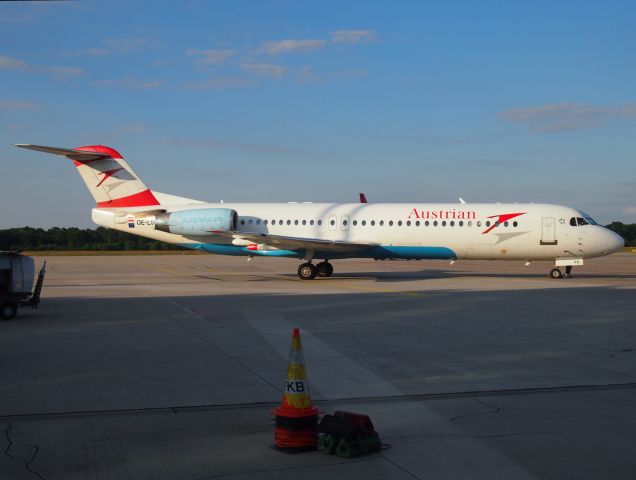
column 613, row 241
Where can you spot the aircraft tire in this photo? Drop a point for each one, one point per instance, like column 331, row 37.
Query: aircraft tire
column 307, row 271
column 556, row 273
column 9, row 310
column 325, row 269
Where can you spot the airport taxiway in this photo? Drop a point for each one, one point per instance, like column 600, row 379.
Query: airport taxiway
column 169, row 367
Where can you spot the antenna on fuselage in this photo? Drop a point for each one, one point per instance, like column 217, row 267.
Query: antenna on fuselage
column 461, row 200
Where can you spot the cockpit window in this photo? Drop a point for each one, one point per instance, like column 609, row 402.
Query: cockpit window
column 579, row 221
column 588, row 219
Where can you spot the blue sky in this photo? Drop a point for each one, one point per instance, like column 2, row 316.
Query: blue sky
column 316, row 101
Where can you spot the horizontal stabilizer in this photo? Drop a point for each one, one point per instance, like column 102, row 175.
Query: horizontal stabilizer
column 77, row 155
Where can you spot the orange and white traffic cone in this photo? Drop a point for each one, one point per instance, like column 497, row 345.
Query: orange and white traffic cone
column 296, row 418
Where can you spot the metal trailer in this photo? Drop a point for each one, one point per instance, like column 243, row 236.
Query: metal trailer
column 16, row 280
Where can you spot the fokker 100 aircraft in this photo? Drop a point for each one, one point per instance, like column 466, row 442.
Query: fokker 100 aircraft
column 329, row 231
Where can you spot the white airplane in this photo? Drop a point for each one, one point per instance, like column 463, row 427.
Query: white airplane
column 326, row 231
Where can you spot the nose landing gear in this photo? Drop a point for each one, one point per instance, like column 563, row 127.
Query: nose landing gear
column 556, row 273
column 308, row 271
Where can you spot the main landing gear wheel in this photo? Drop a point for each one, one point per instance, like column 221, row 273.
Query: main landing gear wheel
column 556, row 273
column 9, row 310
column 307, row 271
column 325, row 269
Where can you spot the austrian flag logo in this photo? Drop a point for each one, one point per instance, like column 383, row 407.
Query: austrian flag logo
column 131, row 221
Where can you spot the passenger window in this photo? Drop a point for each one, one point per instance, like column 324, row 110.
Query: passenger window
column 417, row 223
column 381, row 223
column 372, row 223
column 242, row 222
column 355, row 222
column 332, row 222
column 344, row 223
column 514, row 224
column 304, row 222
column 408, row 223
column 427, row 223
column 390, row 223
column 470, row 224
column 505, row 224
column 264, row 222
column 479, row 223
column 311, row 222
column 488, row 223
column 280, row 222
column 399, row 223
column 319, row 222
column 452, row 224
column 364, row 222
column 435, row 223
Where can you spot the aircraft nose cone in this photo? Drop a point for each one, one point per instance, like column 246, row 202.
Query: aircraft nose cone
column 614, row 241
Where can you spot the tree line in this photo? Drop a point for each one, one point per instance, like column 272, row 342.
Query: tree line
column 38, row 239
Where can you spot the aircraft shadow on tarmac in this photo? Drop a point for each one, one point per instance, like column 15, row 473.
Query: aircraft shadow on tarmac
column 401, row 276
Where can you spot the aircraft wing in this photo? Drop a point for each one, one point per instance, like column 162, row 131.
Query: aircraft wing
column 300, row 243
column 79, row 155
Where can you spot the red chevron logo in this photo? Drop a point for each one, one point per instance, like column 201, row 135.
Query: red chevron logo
column 504, row 217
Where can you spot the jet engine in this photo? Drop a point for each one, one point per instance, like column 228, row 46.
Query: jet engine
column 204, row 221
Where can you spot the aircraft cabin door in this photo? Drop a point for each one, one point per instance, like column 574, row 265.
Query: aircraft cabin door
column 548, row 233
column 344, row 222
column 333, row 220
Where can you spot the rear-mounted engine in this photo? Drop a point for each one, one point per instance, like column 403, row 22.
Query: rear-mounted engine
column 205, row 221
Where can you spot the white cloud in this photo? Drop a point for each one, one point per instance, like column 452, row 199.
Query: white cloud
column 291, row 46
column 9, row 63
column 220, row 83
column 264, row 69
column 307, row 75
column 216, row 57
column 64, row 72
column 212, row 143
column 132, row 129
column 13, row 105
column 353, row 37
column 130, row 83
column 630, row 210
column 126, row 45
column 95, row 52
column 558, row 117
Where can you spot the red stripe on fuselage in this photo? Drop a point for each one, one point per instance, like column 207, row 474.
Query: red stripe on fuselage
column 140, row 199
